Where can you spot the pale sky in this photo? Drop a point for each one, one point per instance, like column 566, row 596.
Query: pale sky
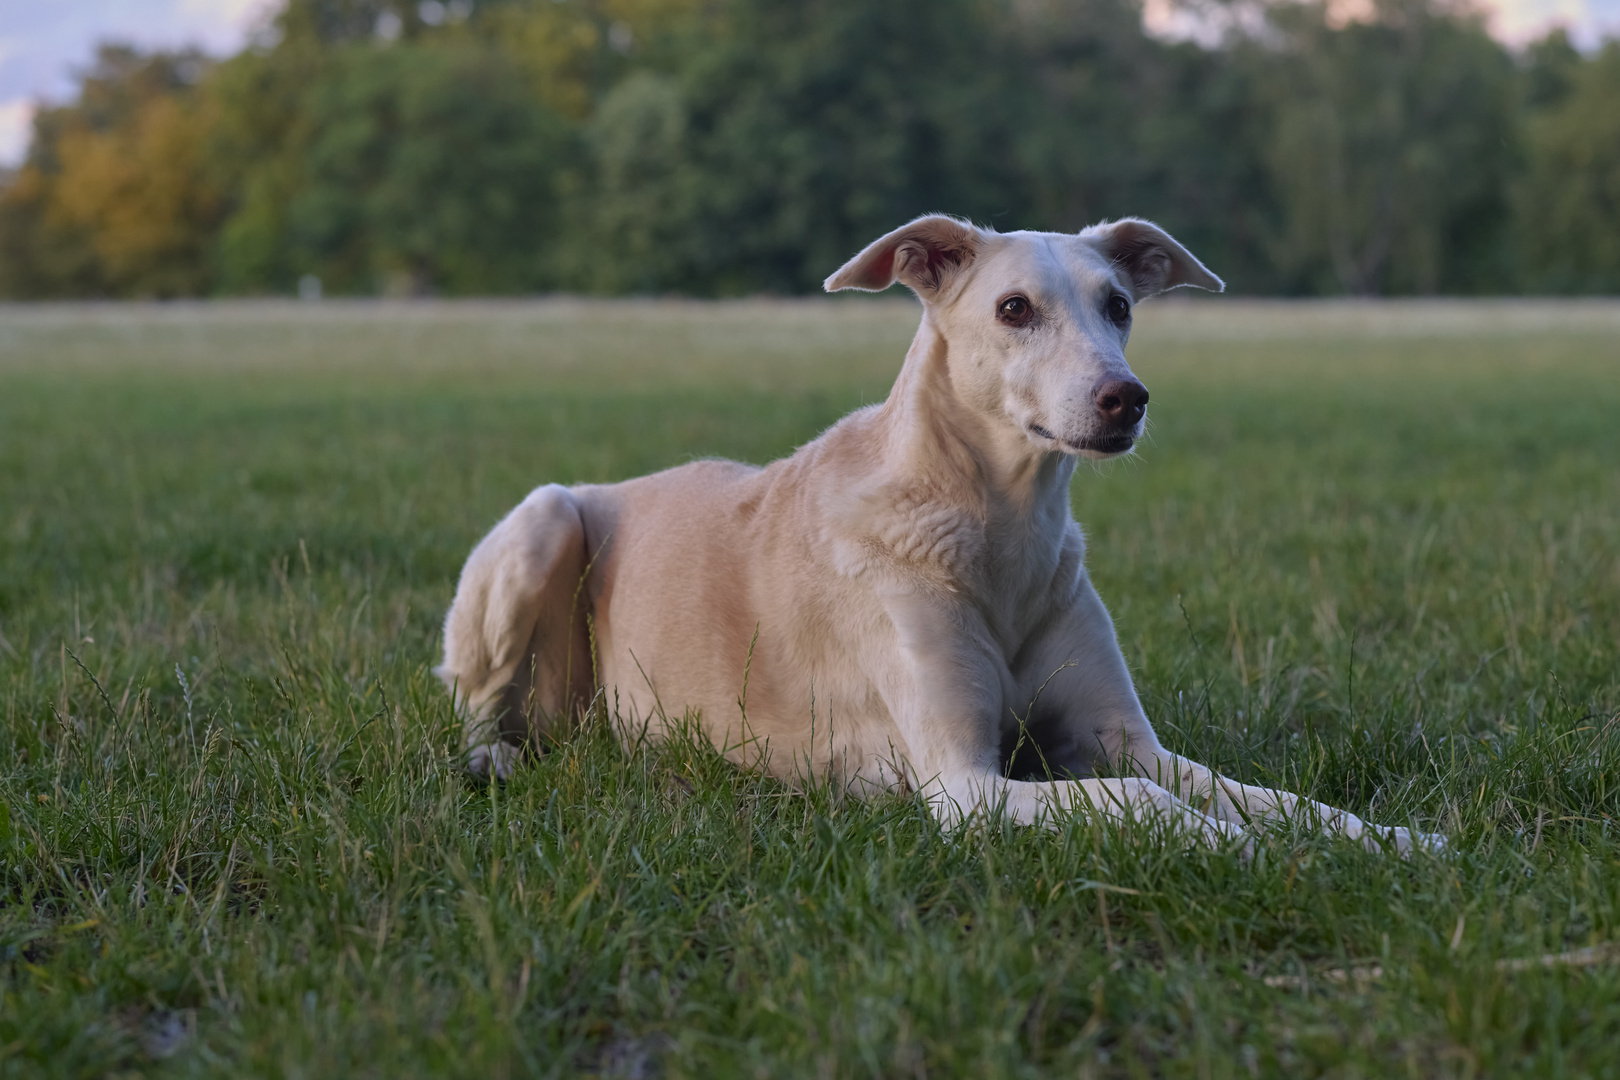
column 42, row 42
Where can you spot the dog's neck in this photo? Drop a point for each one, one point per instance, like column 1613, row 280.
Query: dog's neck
column 967, row 449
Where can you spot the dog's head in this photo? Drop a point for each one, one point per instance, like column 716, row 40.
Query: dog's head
column 1036, row 323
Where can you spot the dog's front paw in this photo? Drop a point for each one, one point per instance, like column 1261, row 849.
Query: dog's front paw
column 1405, row 841
column 1219, row 835
column 492, row 761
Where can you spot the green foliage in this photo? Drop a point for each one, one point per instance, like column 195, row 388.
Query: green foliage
column 235, row 838
column 1569, row 213
column 1391, row 151
column 415, row 168
column 306, row 23
column 644, row 188
column 116, row 196
column 719, row 147
column 852, row 117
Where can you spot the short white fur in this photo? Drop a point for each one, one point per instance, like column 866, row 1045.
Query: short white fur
column 906, row 595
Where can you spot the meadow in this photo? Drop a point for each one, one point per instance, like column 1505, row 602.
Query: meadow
column 1370, row 551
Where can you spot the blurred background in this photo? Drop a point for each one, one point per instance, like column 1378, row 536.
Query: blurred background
column 724, row 147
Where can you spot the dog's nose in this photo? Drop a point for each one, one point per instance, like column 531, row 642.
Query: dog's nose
column 1122, row 402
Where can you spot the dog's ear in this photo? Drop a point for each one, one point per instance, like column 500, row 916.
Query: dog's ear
column 1149, row 258
column 923, row 256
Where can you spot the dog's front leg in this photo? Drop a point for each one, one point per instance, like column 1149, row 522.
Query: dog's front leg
column 1102, row 714
column 945, row 688
column 1251, row 803
column 1119, row 800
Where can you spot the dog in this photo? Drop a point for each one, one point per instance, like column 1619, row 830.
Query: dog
column 901, row 604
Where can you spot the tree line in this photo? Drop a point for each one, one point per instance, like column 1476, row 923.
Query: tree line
column 720, row 147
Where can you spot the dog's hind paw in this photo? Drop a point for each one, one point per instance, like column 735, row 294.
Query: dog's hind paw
column 492, row 761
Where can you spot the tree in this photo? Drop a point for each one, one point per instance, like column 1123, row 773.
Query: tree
column 114, row 198
column 1568, row 218
column 731, row 146
column 1392, row 148
column 1123, row 125
column 801, row 130
column 406, row 168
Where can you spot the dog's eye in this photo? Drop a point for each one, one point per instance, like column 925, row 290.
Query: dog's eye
column 1014, row 311
column 1119, row 309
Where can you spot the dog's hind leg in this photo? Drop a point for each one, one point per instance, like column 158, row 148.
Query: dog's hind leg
column 516, row 649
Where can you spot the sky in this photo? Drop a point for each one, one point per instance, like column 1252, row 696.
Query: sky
column 42, row 42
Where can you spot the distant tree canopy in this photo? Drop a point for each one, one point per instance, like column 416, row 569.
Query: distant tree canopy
column 716, row 147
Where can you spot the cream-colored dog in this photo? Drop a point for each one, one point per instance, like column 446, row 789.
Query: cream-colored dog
column 903, row 603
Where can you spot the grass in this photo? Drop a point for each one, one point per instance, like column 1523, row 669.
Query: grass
column 1371, row 552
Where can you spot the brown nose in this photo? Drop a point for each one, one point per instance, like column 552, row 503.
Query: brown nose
column 1122, row 402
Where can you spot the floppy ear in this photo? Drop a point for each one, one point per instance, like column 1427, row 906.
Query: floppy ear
column 1148, row 258
column 923, row 255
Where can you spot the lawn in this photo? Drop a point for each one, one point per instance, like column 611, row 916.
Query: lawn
column 1369, row 551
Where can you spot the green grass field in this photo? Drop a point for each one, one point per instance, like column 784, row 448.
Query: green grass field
column 1370, row 552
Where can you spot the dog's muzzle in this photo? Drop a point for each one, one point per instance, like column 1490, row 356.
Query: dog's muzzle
column 1107, row 444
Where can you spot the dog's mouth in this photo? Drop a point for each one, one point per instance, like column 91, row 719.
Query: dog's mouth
column 1096, row 446
column 1106, row 445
